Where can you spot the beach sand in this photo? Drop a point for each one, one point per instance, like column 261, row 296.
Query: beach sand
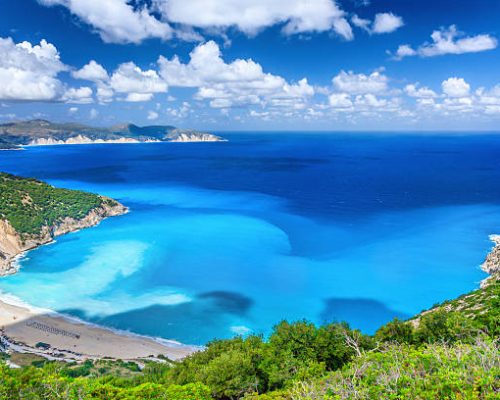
column 70, row 339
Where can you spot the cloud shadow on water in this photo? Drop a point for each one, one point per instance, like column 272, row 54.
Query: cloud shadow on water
column 364, row 314
column 191, row 323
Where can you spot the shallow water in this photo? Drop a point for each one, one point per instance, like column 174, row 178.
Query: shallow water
column 230, row 238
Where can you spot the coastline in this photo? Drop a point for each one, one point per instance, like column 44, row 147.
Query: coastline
column 13, row 247
column 63, row 337
column 491, row 264
column 70, row 339
column 82, row 140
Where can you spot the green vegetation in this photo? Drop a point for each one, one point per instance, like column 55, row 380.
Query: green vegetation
column 29, row 204
column 450, row 352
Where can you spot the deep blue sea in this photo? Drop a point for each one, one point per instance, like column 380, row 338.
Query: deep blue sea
column 230, row 238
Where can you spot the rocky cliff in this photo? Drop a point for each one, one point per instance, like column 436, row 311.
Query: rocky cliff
column 492, row 263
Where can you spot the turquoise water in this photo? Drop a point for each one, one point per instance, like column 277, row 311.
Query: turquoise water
column 230, row 238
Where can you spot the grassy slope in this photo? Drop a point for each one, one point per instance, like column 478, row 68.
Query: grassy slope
column 29, row 204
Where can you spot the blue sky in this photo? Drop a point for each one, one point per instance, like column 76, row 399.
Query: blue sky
column 253, row 64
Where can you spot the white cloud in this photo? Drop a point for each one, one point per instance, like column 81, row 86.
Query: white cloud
column 104, row 93
column 138, row 85
column 361, row 22
column 489, row 97
column 130, row 78
column 91, row 72
column 82, row 95
column 455, row 87
column 116, row 21
column 138, row 97
column 180, row 112
column 93, row 114
column 449, row 41
column 352, row 83
column 29, row 72
column 152, row 115
column 229, row 84
column 383, row 23
column 386, row 23
column 404, row 50
column 413, row 90
column 252, row 16
column 340, row 100
column 370, row 100
column 72, row 110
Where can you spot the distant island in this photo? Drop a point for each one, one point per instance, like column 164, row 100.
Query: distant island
column 39, row 132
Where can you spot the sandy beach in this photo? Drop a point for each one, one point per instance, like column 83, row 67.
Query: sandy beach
column 21, row 329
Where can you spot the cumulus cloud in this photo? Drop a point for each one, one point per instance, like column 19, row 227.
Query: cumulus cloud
column 82, row 95
column 413, row 90
column 340, row 100
column 363, row 95
column 252, row 16
column 382, row 23
column 139, row 85
column 29, row 72
column 449, row 41
column 352, row 83
column 180, row 112
column 91, row 72
column 455, row 87
column 116, row 21
column 404, row 50
column 386, row 23
column 229, row 84
column 457, row 99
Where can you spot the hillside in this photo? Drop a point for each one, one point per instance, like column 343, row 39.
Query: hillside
column 42, row 132
column 33, row 213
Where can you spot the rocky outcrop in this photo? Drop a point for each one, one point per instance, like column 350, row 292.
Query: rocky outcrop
column 196, row 137
column 12, row 244
column 492, row 263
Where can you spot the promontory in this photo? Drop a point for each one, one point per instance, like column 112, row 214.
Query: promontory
column 32, row 213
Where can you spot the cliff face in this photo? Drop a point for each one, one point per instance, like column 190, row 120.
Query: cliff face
column 198, row 137
column 492, row 263
column 79, row 139
column 13, row 244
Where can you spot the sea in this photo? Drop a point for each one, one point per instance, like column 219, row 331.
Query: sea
column 231, row 238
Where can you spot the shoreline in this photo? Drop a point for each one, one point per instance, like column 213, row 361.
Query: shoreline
column 211, row 139
column 26, row 328
column 23, row 326
column 491, row 264
column 13, row 246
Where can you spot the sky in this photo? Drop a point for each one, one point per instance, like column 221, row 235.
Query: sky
column 333, row 65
